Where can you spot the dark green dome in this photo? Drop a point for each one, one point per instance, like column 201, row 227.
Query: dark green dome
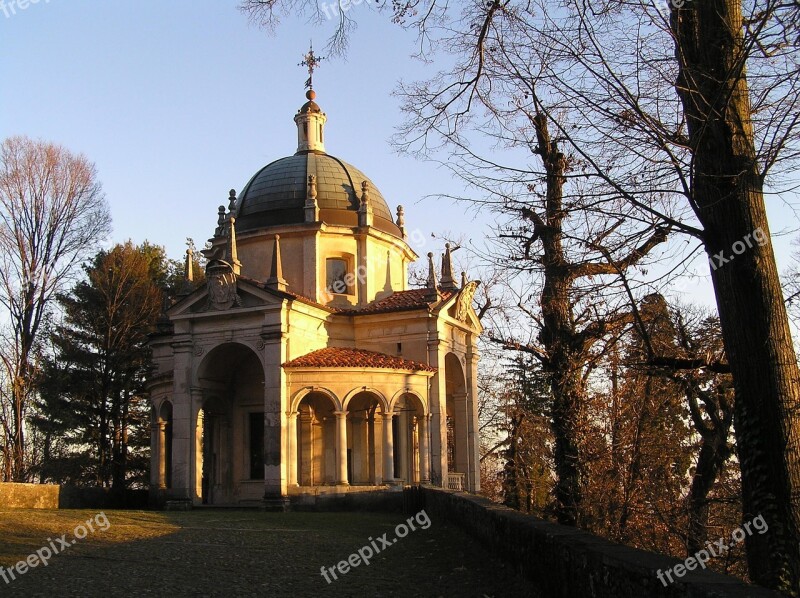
column 277, row 193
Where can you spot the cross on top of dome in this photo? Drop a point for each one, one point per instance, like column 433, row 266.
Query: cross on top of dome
column 311, row 61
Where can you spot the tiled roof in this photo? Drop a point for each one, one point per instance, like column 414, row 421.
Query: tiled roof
column 398, row 301
column 339, row 357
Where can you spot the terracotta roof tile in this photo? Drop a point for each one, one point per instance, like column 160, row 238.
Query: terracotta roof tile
column 339, row 357
column 398, row 301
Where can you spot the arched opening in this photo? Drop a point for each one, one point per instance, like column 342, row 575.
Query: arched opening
column 229, row 431
column 316, row 440
column 457, row 422
column 164, row 423
column 410, row 441
column 364, row 439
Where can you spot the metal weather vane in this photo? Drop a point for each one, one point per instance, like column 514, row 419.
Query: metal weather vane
column 311, row 61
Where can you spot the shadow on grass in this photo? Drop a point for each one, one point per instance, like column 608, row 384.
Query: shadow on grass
column 248, row 553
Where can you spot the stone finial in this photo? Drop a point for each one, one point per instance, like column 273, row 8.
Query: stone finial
column 233, row 252
column 311, row 206
column 432, row 289
column 448, row 284
column 232, row 201
column 220, row 230
column 188, row 268
column 312, row 187
column 401, row 220
column 365, row 207
column 463, row 279
column 276, row 280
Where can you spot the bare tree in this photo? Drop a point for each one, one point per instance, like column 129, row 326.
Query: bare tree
column 53, row 214
column 685, row 111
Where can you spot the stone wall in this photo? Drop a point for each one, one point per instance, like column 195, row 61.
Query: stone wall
column 565, row 562
column 54, row 496
column 381, row 501
column 28, row 496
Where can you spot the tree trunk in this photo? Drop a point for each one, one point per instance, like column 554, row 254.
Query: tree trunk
column 710, row 461
column 558, row 334
column 729, row 202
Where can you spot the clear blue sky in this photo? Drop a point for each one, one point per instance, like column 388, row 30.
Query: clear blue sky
column 177, row 102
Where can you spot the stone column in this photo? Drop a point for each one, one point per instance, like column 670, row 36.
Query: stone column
column 461, row 432
column 306, row 477
column 424, row 450
column 371, row 466
column 155, row 451
column 291, row 443
column 474, row 474
column 341, row 448
column 162, row 454
column 388, row 449
column 183, row 414
column 272, row 347
column 402, row 447
column 437, row 404
column 199, row 465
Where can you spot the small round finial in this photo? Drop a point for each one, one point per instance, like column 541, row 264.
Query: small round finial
column 277, row 237
column 430, row 254
column 232, row 193
column 447, row 245
column 311, row 94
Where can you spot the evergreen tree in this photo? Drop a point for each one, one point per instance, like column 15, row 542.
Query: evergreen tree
column 93, row 387
column 527, row 471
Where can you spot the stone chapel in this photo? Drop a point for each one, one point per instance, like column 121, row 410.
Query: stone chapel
column 305, row 365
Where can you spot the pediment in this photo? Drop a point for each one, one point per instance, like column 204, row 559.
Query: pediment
column 459, row 307
column 239, row 294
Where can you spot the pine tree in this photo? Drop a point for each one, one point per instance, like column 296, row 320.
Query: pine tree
column 93, row 387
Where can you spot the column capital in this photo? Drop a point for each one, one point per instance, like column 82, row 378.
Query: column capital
column 341, row 413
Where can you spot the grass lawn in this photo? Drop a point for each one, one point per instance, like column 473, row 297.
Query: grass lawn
column 243, row 553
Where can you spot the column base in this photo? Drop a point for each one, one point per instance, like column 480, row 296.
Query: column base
column 182, row 504
column 275, row 504
column 395, row 485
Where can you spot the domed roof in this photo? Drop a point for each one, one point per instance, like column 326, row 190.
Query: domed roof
column 277, row 193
